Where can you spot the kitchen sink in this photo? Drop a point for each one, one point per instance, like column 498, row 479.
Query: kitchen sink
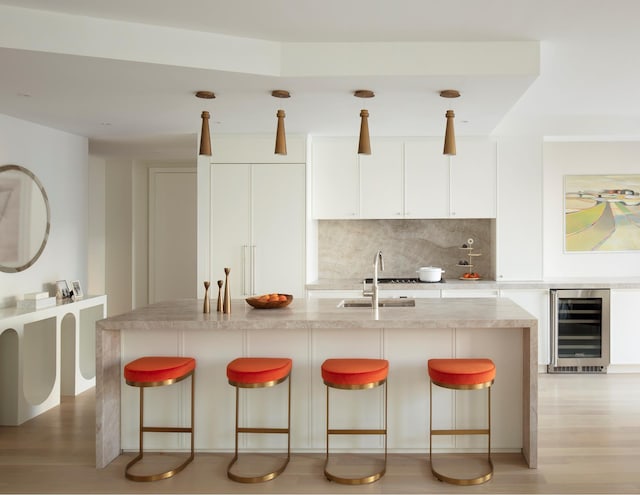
column 365, row 302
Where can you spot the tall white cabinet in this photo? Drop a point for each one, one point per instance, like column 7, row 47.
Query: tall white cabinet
column 258, row 227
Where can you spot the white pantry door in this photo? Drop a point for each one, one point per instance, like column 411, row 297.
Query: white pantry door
column 172, row 234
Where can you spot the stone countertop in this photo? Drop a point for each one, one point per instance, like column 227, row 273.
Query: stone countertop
column 456, row 284
column 325, row 313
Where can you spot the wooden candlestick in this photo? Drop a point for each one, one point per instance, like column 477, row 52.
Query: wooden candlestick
column 220, row 296
column 226, row 305
column 206, row 307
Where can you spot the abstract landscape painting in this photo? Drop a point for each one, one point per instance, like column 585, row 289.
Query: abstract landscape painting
column 602, row 213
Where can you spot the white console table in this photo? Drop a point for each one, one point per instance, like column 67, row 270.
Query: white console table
column 45, row 354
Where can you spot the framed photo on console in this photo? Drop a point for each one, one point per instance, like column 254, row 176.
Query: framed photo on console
column 62, row 289
column 77, row 289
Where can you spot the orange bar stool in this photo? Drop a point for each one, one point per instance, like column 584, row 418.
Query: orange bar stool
column 462, row 374
column 157, row 371
column 355, row 374
column 259, row 372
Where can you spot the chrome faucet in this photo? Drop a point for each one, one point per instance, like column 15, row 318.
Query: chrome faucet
column 378, row 261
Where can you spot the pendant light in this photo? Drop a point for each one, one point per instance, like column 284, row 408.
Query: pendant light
column 364, row 143
column 449, row 134
column 281, row 139
column 205, row 136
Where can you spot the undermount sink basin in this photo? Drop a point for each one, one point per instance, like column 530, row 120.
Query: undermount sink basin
column 365, row 302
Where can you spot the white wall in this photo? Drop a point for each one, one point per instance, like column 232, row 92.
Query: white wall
column 519, row 232
column 583, row 158
column 124, row 230
column 59, row 160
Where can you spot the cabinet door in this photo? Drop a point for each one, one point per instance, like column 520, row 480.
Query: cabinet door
column 625, row 339
column 278, row 228
column 426, row 179
column 473, row 179
column 381, row 188
column 230, row 225
column 536, row 302
column 335, row 178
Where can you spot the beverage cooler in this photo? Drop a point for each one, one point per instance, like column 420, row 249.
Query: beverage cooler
column 579, row 331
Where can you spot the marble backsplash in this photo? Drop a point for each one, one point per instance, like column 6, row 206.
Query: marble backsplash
column 346, row 248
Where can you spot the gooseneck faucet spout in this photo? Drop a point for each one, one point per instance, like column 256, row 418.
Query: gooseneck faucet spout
column 378, row 263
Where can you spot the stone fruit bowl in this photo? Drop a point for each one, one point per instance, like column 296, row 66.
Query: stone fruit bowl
column 270, row 301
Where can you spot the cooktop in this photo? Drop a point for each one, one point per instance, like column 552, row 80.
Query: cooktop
column 401, row 280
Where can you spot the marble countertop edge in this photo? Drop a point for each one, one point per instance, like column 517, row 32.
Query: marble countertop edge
column 456, row 284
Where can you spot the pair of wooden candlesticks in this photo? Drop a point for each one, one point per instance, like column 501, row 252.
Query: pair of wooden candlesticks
column 224, row 304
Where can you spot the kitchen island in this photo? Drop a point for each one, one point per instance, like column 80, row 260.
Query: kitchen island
column 309, row 332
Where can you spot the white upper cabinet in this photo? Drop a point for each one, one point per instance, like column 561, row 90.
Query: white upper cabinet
column 473, row 179
column 403, row 178
column 335, row 177
column 381, row 184
column 426, row 179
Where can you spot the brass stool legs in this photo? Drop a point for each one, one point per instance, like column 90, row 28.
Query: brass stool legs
column 161, row 429
column 485, row 476
column 273, row 474
column 371, row 477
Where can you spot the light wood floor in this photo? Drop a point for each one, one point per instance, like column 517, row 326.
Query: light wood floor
column 589, row 443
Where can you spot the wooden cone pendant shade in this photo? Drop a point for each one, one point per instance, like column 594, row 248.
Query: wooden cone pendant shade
column 205, row 137
column 281, row 140
column 449, row 135
column 364, row 144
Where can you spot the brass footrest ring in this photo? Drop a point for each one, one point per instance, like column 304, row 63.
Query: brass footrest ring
column 354, row 481
column 154, row 477
column 255, row 479
column 483, row 478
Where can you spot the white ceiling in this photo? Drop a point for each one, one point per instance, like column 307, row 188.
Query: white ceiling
column 589, row 81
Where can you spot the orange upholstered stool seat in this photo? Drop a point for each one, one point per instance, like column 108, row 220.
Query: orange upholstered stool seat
column 157, row 371
column 462, row 374
column 355, row 374
column 259, row 372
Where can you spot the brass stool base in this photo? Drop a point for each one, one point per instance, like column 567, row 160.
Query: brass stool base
column 161, row 429
column 357, row 431
column 255, row 479
column 478, row 480
column 154, row 477
column 354, row 481
column 283, row 431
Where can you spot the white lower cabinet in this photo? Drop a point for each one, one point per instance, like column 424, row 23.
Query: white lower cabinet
column 536, row 302
column 355, row 294
column 407, row 351
column 625, row 329
column 258, row 227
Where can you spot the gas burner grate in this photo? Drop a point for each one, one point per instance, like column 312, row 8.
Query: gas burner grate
column 401, row 280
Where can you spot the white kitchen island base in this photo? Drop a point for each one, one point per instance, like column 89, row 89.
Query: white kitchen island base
column 309, row 332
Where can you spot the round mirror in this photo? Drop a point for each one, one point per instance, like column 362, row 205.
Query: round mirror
column 24, row 218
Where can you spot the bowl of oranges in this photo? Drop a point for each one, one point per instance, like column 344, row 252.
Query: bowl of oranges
column 270, row 301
